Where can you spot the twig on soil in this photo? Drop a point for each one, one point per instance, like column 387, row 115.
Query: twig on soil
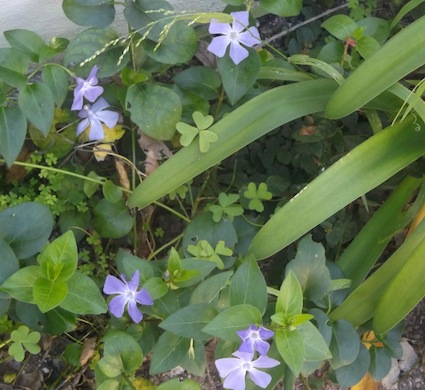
column 293, row 28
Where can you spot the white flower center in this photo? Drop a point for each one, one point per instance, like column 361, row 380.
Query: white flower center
column 129, row 295
column 247, row 366
column 233, row 36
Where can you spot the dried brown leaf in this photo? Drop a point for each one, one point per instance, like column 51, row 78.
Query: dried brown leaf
column 88, row 350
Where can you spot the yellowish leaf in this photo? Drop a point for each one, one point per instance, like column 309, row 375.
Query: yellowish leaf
column 114, row 134
column 101, row 151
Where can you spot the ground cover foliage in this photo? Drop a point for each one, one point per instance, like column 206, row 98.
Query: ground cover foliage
column 195, row 183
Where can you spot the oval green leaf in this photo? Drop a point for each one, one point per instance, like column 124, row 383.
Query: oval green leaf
column 36, row 102
column 95, row 13
column 13, row 128
column 155, row 109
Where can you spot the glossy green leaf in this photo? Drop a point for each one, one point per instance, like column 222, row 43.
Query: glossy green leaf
column 374, row 27
column 27, row 41
column 380, row 363
column 112, row 220
column 12, row 77
column 13, row 128
column 315, row 347
column 290, row 345
column 20, row 284
column 89, row 42
column 156, row 287
column 56, row 79
column 178, row 47
column 352, row 373
column 37, row 103
column 229, row 321
column 309, row 266
column 14, row 59
column 9, row 265
column 26, row 227
column 361, row 304
column 236, row 130
column 401, row 55
column 49, row 294
column 145, row 16
column 290, row 299
column 200, row 80
column 112, row 192
column 121, row 354
column 282, row 7
column 237, row 79
column 248, row 285
column 190, row 320
column 208, row 291
column 96, row 13
column 59, row 259
column 84, row 296
column 197, row 270
column 169, row 352
column 367, row 46
column 340, row 26
column 345, row 344
column 341, row 184
column 358, row 258
column 403, row 293
column 155, row 109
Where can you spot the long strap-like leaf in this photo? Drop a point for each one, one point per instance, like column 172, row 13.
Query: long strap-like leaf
column 361, row 170
column 401, row 55
column 236, row 130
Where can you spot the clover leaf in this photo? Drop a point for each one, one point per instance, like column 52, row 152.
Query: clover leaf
column 22, row 339
column 189, row 132
column 204, row 250
column 226, row 206
column 257, row 195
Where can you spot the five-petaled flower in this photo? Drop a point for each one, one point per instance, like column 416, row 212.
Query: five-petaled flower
column 233, row 35
column 235, row 369
column 127, row 296
column 253, row 339
column 86, row 89
column 93, row 116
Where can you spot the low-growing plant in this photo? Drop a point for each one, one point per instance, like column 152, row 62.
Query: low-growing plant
column 148, row 174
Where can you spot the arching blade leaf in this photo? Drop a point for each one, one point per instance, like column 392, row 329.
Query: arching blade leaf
column 403, row 294
column 398, row 57
column 235, row 130
column 361, row 170
column 361, row 304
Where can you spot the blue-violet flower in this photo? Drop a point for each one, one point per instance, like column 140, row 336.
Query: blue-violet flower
column 127, row 296
column 86, row 88
column 235, row 369
column 233, row 35
column 93, row 116
column 253, row 339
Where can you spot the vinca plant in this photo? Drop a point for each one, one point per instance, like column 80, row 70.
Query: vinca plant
column 187, row 194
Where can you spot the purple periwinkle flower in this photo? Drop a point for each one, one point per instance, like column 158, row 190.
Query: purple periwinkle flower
column 233, row 35
column 86, row 88
column 127, row 295
column 93, row 116
column 234, row 370
column 253, row 339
